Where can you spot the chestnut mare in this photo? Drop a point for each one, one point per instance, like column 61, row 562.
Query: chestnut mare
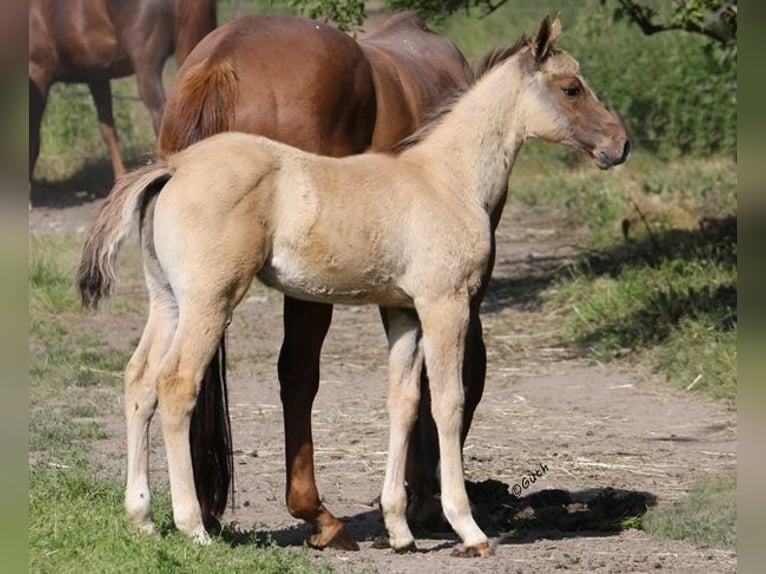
column 308, row 85
column 408, row 230
column 94, row 41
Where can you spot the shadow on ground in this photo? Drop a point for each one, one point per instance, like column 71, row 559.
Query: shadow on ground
column 714, row 240
column 546, row 514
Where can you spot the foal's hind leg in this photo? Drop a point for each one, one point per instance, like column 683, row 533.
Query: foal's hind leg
column 306, row 325
column 140, row 404
column 200, row 326
column 404, row 364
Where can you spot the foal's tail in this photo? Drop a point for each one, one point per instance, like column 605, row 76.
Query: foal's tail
column 119, row 213
column 201, row 104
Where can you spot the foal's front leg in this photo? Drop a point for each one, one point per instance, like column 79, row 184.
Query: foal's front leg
column 404, row 366
column 445, row 322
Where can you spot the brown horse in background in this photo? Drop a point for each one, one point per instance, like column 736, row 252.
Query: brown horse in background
column 308, row 85
column 94, row 41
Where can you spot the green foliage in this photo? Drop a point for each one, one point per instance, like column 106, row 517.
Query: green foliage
column 345, row 14
column 676, row 92
column 706, row 516
column 716, row 19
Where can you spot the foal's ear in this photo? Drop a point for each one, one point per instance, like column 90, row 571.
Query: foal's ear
column 546, row 36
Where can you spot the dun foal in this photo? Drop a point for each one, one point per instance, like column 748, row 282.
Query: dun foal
column 409, row 230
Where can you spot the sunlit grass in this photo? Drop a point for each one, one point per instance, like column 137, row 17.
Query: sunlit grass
column 707, row 516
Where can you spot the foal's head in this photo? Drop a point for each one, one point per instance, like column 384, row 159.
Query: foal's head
column 562, row 108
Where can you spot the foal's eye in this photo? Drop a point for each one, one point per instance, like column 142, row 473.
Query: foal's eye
column 571, row 91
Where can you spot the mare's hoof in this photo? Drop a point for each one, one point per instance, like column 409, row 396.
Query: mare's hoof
column 337, row 538
column 344, row 541
column 483, row 549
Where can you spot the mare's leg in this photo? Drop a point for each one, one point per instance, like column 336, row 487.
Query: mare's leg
column 200, row 326
column 140, row 404
column 404, row 367
column 102, row 96
column 148, row 69
column 38, row 97
column 445, row 324
column 306, row 326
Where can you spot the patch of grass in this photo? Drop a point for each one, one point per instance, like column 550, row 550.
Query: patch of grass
column 707, row 516
column 658, row 277
column 70, row 138
column 76, row 524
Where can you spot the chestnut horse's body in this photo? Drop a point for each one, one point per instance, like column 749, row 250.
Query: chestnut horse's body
column 409, row 230
column 308, row 85
column 94, row 41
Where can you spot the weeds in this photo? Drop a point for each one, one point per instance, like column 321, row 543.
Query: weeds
column 707, row 516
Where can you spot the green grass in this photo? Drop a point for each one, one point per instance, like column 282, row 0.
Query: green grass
column 76, row 524
column 707, row 516
column 657, row 280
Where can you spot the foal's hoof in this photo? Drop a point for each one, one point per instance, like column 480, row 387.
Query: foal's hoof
column 482, row 549
column 146, row 528
column 384, row 542
column 337, row 538
column 406, row 549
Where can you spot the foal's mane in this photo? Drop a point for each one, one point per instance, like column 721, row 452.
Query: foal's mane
column 490, row 60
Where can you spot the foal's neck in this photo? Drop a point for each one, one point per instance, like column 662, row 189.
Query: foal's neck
column 472, row 150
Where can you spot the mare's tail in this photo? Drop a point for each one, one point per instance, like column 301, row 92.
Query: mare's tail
column 210, row 433
column 118, row 215
column 201, row 104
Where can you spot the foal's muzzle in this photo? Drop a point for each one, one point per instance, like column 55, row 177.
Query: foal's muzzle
column 613, row 154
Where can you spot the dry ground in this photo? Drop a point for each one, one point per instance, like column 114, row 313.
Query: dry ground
column 611, row 439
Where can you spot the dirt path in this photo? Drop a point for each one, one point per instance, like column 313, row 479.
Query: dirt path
column 608, row 439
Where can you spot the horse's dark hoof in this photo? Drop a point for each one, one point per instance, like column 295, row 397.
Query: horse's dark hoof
column 380, row 543
column 383, row 542
column 483, row 549
column 344, row 541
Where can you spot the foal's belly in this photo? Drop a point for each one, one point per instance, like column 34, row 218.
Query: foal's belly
column 346, row 286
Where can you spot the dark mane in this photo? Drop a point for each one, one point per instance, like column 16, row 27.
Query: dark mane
column 488, row 62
